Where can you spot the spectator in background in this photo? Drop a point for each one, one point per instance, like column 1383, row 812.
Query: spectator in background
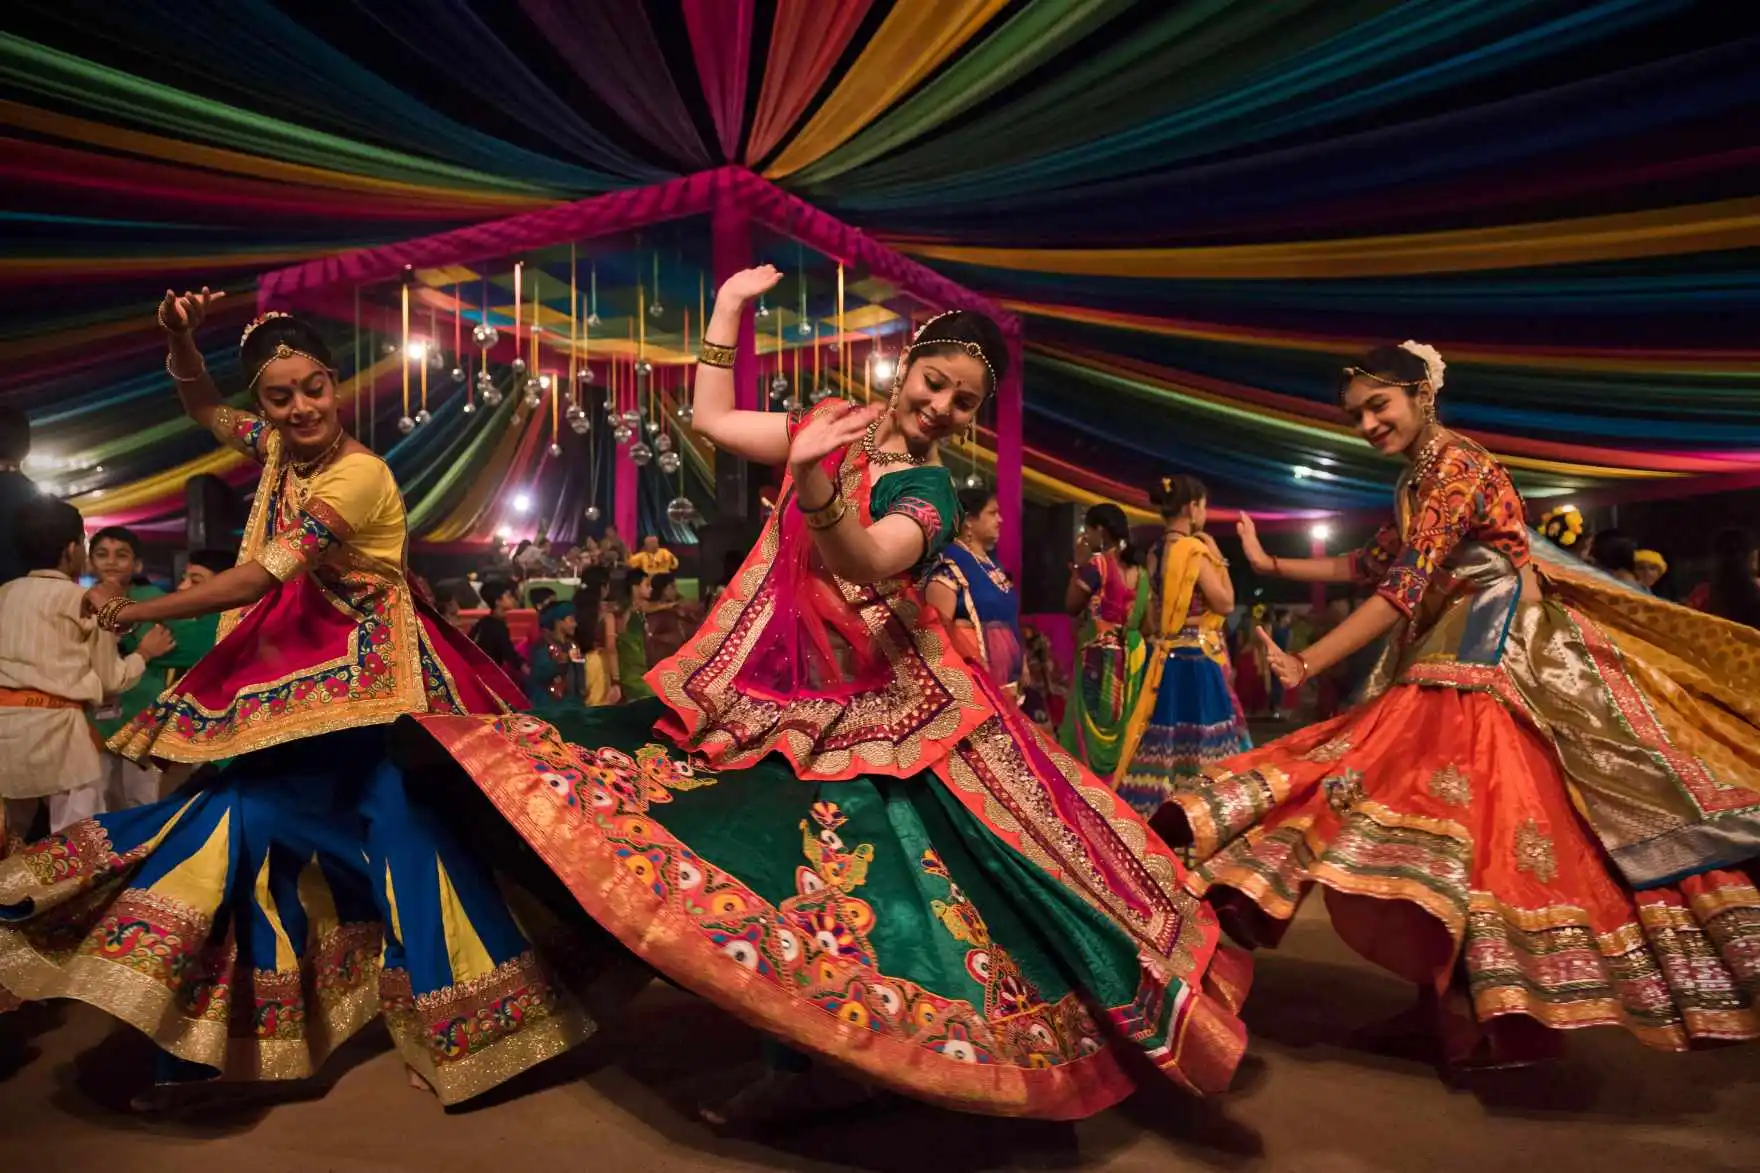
column 668, row 621
column 491, row 633
column 1732, row 593
column 116, row 560
column 554, row 657
column 15, row 487
column 653, row 558
column 1651, row 567
column 630, row 605
column 1615, row 552
column 55, row 667
column 613, row 551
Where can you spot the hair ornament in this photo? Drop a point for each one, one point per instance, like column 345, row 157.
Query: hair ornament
column 971, row 348
column 258, row 321
column 1434, row 367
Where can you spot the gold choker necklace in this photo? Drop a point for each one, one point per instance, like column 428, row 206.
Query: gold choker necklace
column 877, row 456
column 305, row 468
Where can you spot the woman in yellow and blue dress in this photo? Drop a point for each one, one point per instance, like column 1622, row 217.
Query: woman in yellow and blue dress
column 253, row 921
column 1186, row 717
column 832, row 824
column 1545, row 813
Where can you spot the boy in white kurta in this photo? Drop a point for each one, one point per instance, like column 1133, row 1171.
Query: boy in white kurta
column 55, row 665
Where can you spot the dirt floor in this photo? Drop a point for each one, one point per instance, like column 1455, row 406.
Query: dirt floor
column 1307, row 1099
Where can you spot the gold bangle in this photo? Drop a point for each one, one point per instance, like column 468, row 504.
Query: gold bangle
column 829, row 516
column 170, row 370
column 108, row 615
column 715, row 355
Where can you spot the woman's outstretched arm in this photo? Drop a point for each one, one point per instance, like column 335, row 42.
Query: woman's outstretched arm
column 761, row 436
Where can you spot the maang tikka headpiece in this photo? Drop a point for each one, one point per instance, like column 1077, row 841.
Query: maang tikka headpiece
column 971, row 348
column 282, row 349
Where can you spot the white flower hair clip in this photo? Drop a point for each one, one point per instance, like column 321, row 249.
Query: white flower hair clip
column 1433, row 364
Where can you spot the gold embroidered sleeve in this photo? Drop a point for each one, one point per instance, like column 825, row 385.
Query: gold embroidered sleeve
column 242, row 432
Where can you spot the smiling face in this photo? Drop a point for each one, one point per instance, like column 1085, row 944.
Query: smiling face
column 940, row 397
column 1389, row 418
column 984, row 528
column 114, row 562
column 298, row 396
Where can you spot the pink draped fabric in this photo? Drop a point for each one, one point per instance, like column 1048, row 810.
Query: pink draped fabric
column 721, row 41
column 805, row 42
column 611, row 47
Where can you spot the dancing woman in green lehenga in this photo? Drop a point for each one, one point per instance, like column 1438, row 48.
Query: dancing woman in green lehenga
column 830, row 824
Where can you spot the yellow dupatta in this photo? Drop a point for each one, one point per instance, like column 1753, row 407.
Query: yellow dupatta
column 1181, row 560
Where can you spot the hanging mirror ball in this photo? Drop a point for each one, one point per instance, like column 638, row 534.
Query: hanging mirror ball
column 581, row 425
column 555, row 450
column 423, row 417
column 485, row 380
column 591, row 513
column 668, row 462
column 469, row 408
column 593, row 321
column 763, row 311
column 805, row 329
column 640, row 454
column 492, row 395
column 406, row 425
column 436, row 359
column 458, row 375
column 644, row 369
column 573, row 413
column 663, row 443
column 974, row 481
column 534, row 398
column 778, row 389
column 485, row 335
column 820, row 394
column 622, row 432
column 584, row 376
column 652, row 426
column 686, row 412
column 391, row 348
column 655, row 310
column 519, row 366
column 680, row 511
column 632, row 419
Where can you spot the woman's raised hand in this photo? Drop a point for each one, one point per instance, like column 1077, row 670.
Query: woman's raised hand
column 830, row 429
column 749, row 283
column 1257, row 558
column 182, row 314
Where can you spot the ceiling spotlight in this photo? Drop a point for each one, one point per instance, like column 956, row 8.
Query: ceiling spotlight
column 522, row 502
column 1320, row 531
column 884, row 368
column 417, row 350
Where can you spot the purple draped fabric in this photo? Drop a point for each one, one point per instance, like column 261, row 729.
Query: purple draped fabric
column 721, row 41
column 611, row 47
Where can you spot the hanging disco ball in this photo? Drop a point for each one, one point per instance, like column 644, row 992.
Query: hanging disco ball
column 974, row 481
column 622, row 432
column 581, row 425
column 406, row 425
column 573, row 413
column 469, row 408
column 458, row 375
column 762, row 312
column 686, row 412
column 436, row 359
column 485, row 335
column 632, row 419
column 640, row 454
column 390, row 348
column 534, row 393
column 492, row 395
column 644, row 368
column 593, row 320
column 820, row 394
column 652, row 427
column 584, row 376
column 779, row 388
column 805, row 329
column 655, row 310
column 668, row 462
column 519, row 366
column 485, row 380
column 555, row 450
column 663, row 443
column 591, row 513
column 680, row 511
column 422, row 417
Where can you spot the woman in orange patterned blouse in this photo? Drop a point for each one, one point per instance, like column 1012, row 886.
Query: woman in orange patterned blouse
column 1538, row 815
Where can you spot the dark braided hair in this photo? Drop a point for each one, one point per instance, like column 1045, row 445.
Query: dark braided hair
column 950, row 333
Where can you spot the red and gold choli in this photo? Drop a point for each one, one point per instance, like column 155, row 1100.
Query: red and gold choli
column 340, row 642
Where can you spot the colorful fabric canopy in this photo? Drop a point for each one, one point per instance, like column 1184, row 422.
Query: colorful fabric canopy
column 1196, row 211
